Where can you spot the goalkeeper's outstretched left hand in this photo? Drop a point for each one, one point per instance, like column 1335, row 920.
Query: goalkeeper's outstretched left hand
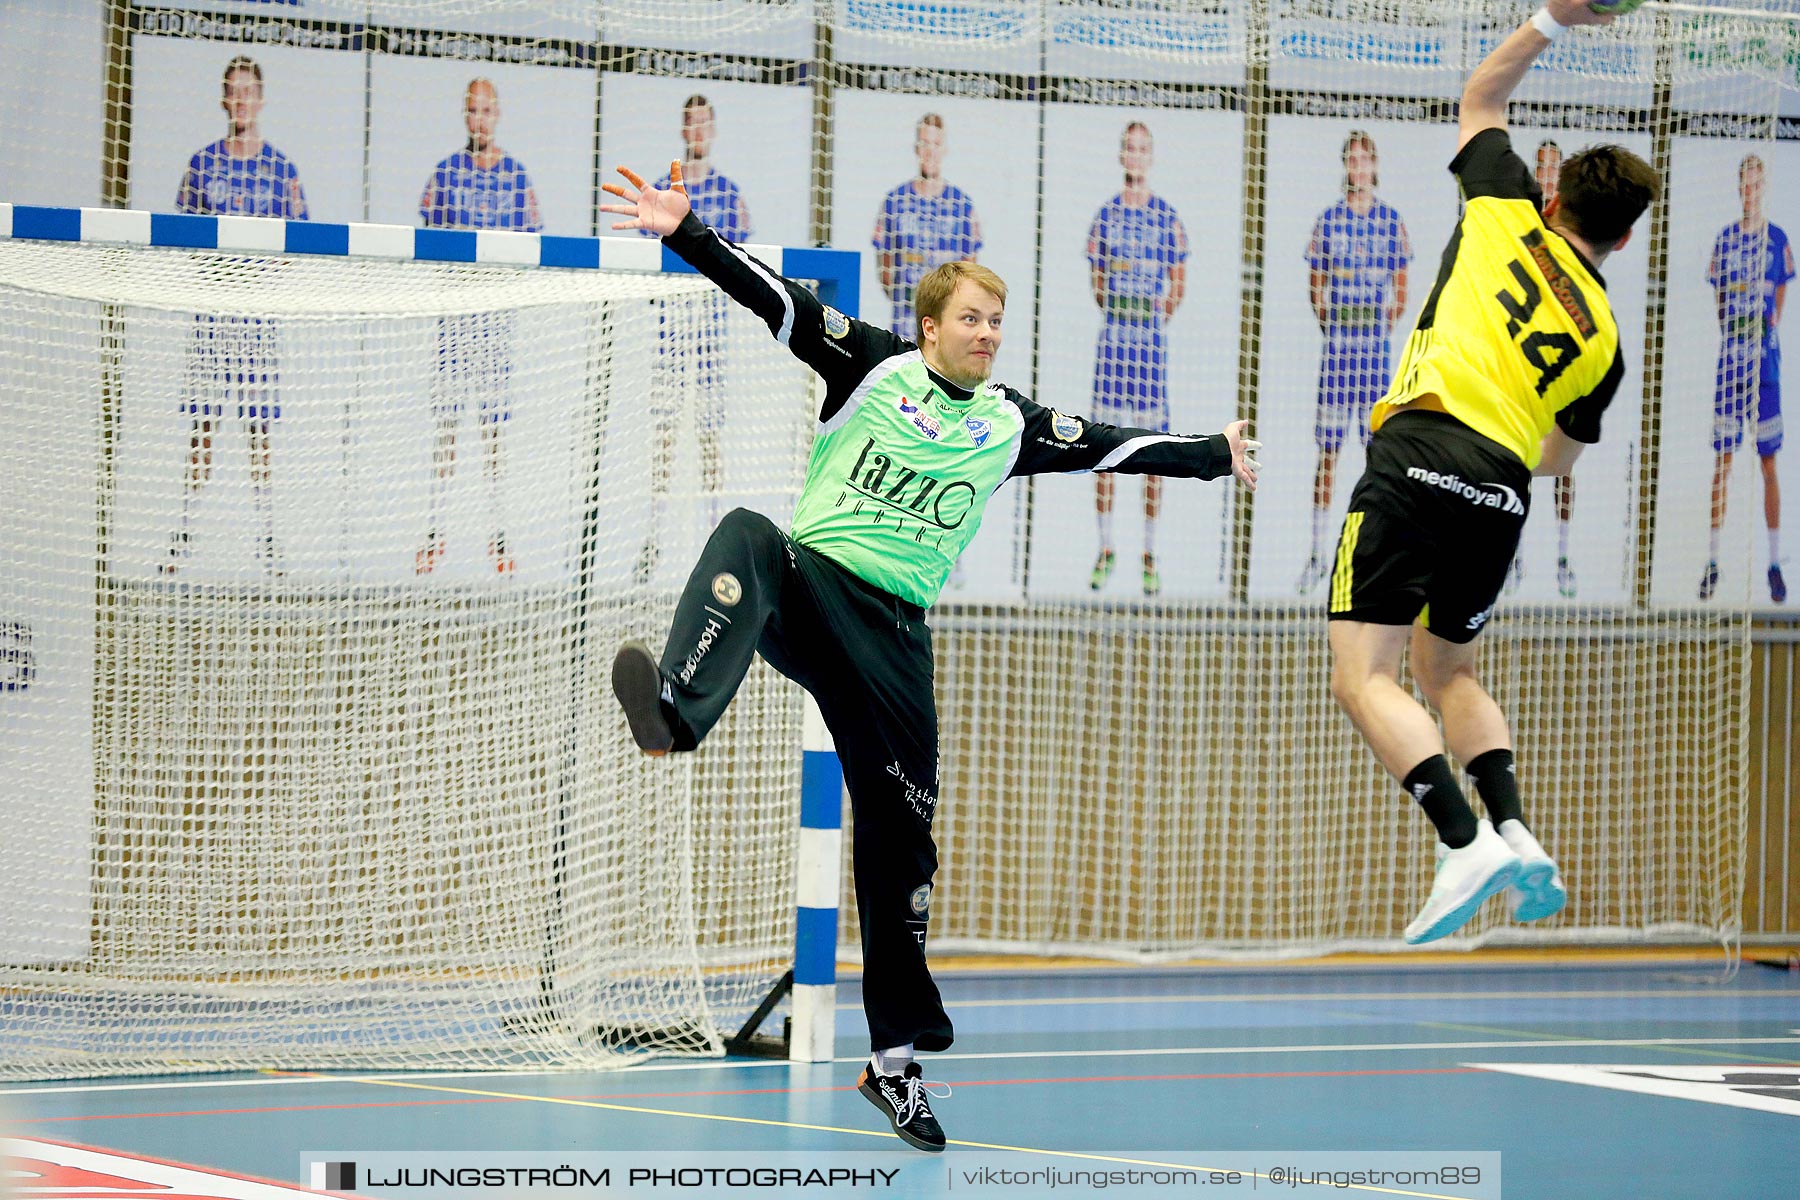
column 659, row 210
column 1243, row 453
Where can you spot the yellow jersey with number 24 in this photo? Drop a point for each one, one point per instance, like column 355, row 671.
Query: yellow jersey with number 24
column 1517, row 332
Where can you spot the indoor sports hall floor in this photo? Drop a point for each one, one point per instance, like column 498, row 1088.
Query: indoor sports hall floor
column 1639, row 1076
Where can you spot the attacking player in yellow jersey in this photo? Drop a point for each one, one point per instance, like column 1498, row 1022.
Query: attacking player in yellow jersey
column 1514, row 359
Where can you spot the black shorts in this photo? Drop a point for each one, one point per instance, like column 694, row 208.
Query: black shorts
column 1433, row 526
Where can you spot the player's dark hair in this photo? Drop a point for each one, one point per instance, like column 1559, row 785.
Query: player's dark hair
column 1367, row 142
column 1549, row 144
column 242, row 62
column 931, row 119
column 1602, row 191
column 934, row 291
column 695, row 101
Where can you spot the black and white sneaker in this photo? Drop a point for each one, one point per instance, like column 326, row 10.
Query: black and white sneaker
column 638, row 683
column 904, row 1100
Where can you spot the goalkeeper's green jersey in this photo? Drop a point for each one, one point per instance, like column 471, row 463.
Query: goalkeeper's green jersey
column 905, row 461
column 900, row 477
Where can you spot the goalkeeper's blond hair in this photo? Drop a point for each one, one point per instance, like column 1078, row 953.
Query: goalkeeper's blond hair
column 934, row 291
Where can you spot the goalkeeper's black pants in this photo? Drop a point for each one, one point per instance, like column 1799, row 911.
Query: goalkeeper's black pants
column 865, row 655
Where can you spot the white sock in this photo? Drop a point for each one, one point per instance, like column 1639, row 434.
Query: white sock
column 1712, row 545
column 1149, row 535
column 1775, row 546
column 1105, row 525
column 1320, row 517
column 892, row 1062
column 1562, row 539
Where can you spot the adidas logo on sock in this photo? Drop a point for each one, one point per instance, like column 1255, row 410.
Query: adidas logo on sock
column 1420, row 791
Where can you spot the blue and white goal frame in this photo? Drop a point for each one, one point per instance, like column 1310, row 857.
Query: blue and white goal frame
column 812, row 984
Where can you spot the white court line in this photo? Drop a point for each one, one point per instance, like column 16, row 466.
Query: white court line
column 1357, row 997
column 1362, row 1047
column 744, row 1064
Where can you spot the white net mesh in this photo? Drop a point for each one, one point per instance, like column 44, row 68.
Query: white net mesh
column 343, row 780
column 1140, row 764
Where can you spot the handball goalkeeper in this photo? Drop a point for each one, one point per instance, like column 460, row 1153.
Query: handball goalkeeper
column 912, row 442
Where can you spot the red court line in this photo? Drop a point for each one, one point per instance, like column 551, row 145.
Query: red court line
column 170, row 1162
column 608, row 1098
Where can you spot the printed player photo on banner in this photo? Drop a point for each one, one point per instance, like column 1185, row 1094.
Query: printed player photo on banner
column 1141, row 265
column 227, row 129
column 460, row 145
column 1358, row 212
column 755, row 145
column 455, row 145
column 246, row 129
column 412, row 451
column 1721, row 506
column 713, row 445
column 935, row 179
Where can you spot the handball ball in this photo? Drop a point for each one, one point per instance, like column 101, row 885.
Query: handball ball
column 1617, row 8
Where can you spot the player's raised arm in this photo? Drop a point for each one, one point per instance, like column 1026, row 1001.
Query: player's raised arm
column 1055, row 442
column 1493, row 82
column 842, row 350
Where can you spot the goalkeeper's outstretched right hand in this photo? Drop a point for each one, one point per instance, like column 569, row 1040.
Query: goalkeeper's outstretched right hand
column 656, row 209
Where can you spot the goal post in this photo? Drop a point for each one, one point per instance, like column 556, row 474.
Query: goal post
column 319, row 538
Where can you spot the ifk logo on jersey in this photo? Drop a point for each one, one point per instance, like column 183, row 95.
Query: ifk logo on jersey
column 978, row 430
column 907, row 406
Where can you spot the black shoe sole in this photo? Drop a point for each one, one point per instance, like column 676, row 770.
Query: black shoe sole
column 637, row 683
column 874, row 1097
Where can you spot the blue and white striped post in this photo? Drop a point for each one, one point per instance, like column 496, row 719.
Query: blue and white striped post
column 810, row 1037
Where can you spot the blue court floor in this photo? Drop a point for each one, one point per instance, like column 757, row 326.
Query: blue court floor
column 1591, row 1080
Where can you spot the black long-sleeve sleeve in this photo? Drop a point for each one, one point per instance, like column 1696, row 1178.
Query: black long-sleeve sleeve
column 1054, row 441
column 841, row 349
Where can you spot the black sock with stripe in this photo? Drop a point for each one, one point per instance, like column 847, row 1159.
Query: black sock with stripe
column 1434, row 787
